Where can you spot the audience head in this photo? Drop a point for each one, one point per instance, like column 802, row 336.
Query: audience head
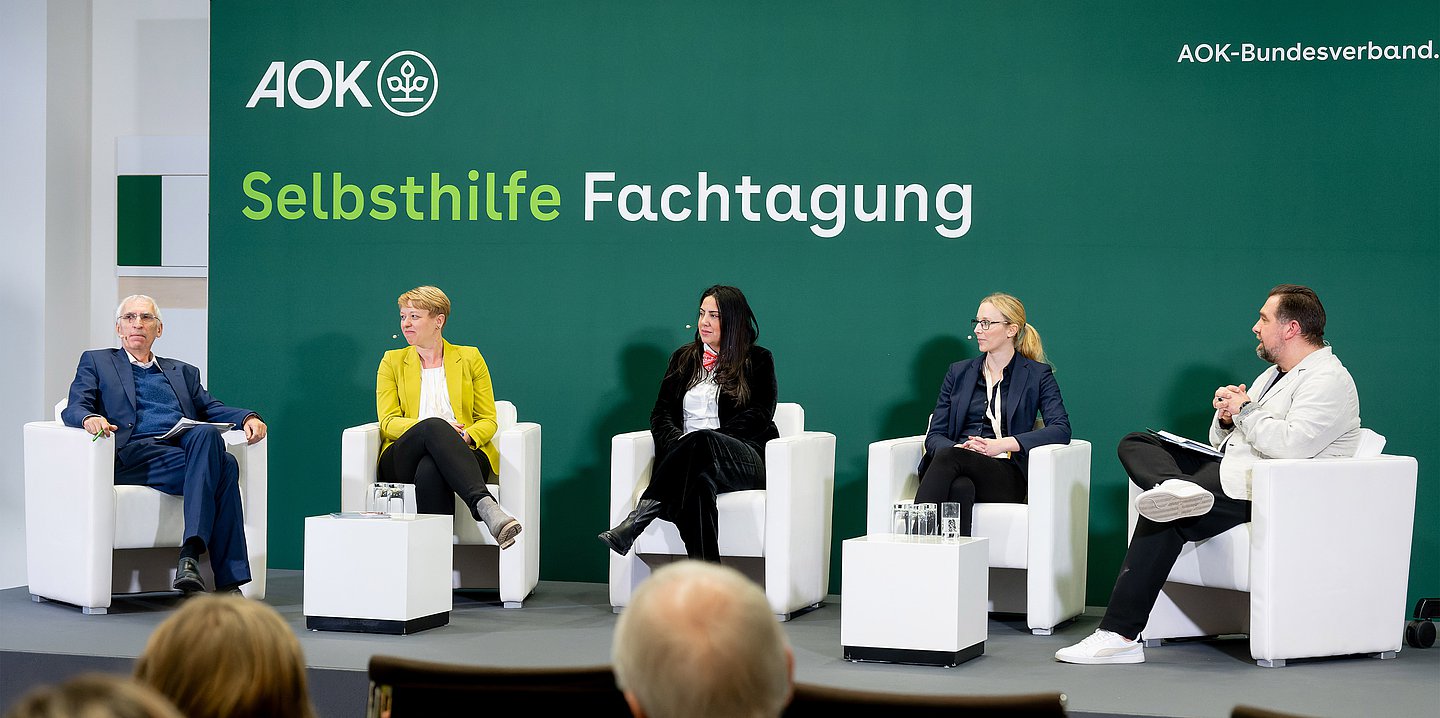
column 1017, row 330
column 700, row 640
column 423, row 313
column 94, row 695
column 138, row 323
column 227, row 657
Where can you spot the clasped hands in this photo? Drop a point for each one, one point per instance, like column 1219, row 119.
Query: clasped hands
column 989, row 447
column 460, row 428
column 1228, row 400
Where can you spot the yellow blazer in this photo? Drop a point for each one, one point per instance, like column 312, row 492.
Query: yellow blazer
column 397, row 395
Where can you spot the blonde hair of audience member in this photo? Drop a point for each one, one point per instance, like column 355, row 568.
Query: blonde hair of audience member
column 426, row 298
column 699, row 640
column 227, row 657
column 1027, row 341
column 94, row 695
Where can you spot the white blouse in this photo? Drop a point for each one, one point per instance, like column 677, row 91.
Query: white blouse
column 435, row 395
column 702, row 405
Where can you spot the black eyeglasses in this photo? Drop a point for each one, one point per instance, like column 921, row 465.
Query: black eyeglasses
column 985, row 324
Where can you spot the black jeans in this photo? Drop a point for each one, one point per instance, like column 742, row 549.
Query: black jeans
column 700, row 466
column 966, row 477
column 434, row 457
column 1156, row 545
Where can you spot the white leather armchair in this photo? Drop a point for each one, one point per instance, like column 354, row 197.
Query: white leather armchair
column 1320, row 570
column 1037, row 549
column 87, row 539
column 787, row 524
column 479, row 562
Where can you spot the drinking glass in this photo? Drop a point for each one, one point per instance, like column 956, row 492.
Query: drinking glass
column 950, row 521
column 900, row 518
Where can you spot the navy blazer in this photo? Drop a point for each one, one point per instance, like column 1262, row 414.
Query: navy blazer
column 104, row 384
column 1031, row 389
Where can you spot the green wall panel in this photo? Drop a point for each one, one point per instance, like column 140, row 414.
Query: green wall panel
column 1140, row 206
column 137, row 220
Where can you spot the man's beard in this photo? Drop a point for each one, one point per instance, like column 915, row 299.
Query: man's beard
column 1264, row 354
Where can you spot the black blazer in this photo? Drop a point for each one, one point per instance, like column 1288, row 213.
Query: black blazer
column 1031, row 389
column 753, row 423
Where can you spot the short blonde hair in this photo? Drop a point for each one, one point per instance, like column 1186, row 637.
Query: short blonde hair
column 227, row 657
column 94, row 695
column 428, row 298
column 699, row 640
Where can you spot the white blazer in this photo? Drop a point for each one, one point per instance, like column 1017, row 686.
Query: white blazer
column 1313, row 412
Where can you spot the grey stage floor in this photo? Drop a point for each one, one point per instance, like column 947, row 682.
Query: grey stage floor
column 571, row 623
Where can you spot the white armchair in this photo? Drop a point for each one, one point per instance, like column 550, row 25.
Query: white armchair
column 87, row 539
column 1037, row 549
column 786, row 525
column 1320, row 570
column 479, row 562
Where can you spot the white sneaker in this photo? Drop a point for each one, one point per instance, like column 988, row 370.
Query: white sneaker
column 1174, row 499
column 1102, row 647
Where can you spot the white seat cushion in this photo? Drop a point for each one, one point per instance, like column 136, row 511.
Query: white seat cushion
column 1218, row 562
column 150, row 518
column 741, row 521
column 1008, row 528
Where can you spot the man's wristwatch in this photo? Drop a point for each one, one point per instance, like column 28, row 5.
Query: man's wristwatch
column 1244, row 409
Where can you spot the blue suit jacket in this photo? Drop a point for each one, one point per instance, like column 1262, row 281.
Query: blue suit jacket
column 1031, row 389
column 104, row 384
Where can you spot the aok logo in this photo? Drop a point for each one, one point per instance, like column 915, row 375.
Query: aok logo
column 406, row 84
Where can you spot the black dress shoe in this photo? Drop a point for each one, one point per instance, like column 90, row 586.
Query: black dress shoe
column 187, row 577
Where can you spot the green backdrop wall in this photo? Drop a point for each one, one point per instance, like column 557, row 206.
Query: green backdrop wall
column 1141, row 204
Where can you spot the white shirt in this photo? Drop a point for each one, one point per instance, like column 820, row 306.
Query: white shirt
column 435, row 395
column 702, row 405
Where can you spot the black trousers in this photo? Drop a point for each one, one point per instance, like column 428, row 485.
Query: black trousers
column 1156, row 545
column 966, row 477
column 434, row 457
column 699, row 467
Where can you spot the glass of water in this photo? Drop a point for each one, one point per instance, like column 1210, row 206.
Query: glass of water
column 925, row 523
column 950, row 521
column 900, row 518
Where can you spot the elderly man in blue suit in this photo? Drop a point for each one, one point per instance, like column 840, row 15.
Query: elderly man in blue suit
column 137, row 397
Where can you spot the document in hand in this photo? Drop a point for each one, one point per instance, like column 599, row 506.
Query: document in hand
column 1190, row 444
column 184, row 425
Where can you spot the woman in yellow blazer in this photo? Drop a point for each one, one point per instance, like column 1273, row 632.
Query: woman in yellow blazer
column 437, row 417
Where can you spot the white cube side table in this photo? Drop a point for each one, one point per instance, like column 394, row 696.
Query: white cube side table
column 378, row 575
column 914, row 599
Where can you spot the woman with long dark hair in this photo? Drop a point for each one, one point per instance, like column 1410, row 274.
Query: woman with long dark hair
column 713, row 415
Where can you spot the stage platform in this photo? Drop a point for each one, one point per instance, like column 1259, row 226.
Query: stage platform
column 571, row 624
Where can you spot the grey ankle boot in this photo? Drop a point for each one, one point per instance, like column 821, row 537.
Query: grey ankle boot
column 623, row 536
column 502, row 526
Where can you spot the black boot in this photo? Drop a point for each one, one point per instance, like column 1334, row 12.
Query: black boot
column 623, row 536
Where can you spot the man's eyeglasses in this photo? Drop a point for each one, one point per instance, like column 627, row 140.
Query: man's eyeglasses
column 985, row 324
column 132, row 317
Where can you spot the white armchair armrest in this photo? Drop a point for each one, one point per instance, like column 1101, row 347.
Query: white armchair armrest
column 799, row 486
column 1330, row 548
column 1059, row 532
column 632, row 457
column 254, row 462
column 359, row 454
column 892, row 477
column 519, row 448
column 69, row 508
